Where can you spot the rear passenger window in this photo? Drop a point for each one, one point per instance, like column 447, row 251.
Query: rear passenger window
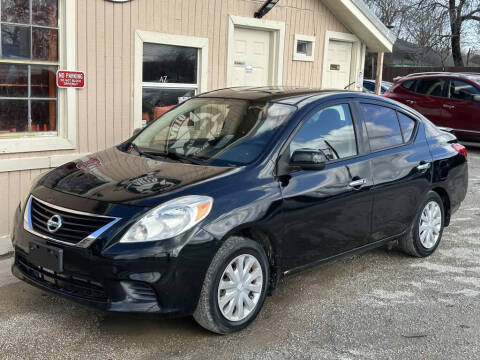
column 408, row 125
column 329, row 130
column 409, row 84
column 431, row 86
column 382, row 126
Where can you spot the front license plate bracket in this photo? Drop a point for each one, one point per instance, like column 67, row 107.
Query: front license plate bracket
column 46, row 256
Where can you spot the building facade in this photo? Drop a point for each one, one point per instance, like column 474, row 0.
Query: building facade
column 141, row 57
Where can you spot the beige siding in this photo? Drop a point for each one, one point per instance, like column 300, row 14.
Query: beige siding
column 105, row 39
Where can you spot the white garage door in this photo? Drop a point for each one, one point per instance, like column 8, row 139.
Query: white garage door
column 339, row 61
column 251, row 58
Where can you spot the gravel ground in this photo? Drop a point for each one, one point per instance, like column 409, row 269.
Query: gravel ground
column 377, row 305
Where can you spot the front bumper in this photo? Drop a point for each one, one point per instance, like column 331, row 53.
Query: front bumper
column 163, row 278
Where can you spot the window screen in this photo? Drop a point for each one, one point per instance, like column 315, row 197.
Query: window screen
column 382, row 126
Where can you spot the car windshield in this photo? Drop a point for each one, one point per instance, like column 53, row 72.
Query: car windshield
column 223, row 132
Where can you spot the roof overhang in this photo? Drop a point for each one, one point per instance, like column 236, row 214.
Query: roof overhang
column 359, row 19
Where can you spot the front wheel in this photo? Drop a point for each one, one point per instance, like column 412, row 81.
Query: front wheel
column 234, row 288
column 427, row 229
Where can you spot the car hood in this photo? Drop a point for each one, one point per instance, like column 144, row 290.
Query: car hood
column 115, row 176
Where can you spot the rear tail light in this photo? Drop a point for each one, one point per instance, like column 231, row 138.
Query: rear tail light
column 460, row 149
column 385, row 94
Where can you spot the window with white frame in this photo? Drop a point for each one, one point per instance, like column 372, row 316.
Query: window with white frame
column 168, row 69
column 170, row 76
column 304, row 48
column 29, row 59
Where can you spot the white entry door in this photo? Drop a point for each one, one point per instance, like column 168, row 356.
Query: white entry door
column 339, row 61
column 251, row 58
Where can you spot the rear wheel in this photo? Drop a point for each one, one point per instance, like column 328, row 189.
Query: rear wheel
column 427, row 229
column 234, row 288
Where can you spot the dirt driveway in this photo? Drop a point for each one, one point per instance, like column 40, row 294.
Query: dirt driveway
column 377, row 305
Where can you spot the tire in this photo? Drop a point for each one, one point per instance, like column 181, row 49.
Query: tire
column 412, row 243
column 208, row 312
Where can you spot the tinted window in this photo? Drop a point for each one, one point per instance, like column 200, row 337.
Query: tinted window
column 408, row 125
column 382, row 126
column 330, row 130
column 369, row 86
column 462, row 90
column 216, row 131
column 409, row 84
column 431, row 86
column 169, row 64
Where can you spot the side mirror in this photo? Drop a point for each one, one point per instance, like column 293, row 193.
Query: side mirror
column 308, row 159
column 136, row 131
column 476, row 98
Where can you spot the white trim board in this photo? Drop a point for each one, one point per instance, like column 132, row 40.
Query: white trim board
column 356, row 62
column 40, row 162
column 302, row 57
column 278, row 29
column 356, row 20
column 5, row 245
column 67, row 98
column 141, row 37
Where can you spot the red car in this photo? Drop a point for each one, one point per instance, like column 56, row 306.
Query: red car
column 450, row 100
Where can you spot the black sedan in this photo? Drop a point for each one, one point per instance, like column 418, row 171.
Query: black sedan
column 205, row 209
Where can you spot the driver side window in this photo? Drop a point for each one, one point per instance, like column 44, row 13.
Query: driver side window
column 329, row 130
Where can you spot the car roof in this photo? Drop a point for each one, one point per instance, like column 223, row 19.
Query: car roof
column 300, row 97
column 374, row 81
column 281, row 94
column 294, row 96
column 465, row 75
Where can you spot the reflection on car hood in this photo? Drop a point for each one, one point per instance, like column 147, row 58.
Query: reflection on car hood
column 115, row 176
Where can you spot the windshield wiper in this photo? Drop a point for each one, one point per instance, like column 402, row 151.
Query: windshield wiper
column 173, row 156
column 168, row 154
column 177, row 156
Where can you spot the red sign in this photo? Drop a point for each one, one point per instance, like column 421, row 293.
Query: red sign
column 91, row 163
column 70, row 79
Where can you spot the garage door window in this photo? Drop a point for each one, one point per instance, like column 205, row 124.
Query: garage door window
column 170, row 76
column 28, row 61
column 382, row 126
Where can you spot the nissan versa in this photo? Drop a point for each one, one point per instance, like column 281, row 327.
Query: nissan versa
column 205, row 209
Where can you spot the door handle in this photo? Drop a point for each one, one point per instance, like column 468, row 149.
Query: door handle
column 410, row 102
column 447, row 106
column 357, row 183
column 423, row 166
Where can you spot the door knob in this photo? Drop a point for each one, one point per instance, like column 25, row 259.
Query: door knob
column 447, row 106
column 423, row 166
column 357, row 183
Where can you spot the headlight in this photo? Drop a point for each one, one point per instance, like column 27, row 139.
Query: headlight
column 169, row 219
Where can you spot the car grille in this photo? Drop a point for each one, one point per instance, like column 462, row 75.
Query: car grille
column 140, row 291
column 74, row 285
column 75, row 227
